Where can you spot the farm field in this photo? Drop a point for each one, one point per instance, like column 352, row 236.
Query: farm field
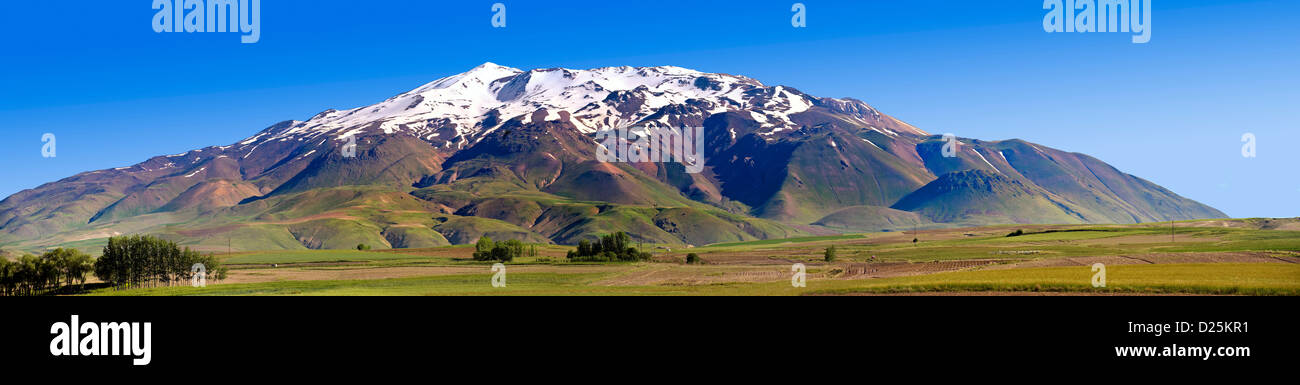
column 1219, row 257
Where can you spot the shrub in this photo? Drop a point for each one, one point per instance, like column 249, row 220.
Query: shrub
column 1016, row 233
column 830, row 254
column 363, row 247
column 692, row 258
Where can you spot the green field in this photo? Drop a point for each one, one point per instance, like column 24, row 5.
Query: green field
column 1223, row 257
column 769, row 242
column 1222, row 278
column 1111, row 241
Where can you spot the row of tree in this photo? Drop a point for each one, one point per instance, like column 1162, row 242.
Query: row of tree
column 146, row 261
column 486, row 250
column 32, row 275
column 131, row 261
column 616, row 247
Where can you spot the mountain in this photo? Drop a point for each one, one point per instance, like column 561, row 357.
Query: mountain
column 978, row 196
column 511, row 154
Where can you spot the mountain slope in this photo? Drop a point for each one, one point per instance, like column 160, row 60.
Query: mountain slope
column 510, row 153
column 978, row 197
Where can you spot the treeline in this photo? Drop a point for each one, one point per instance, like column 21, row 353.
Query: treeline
column 486, row 250
column 616, row 247
column 145, row 261
column 32, row 275
column 130, row 261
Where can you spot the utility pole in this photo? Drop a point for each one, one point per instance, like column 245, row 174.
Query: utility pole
column 1171, row 231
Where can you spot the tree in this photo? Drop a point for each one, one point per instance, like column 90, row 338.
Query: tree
column 609, row 248
column 483, row 249
column 584, row 247
column 27, row 274
column 692, row 258
column 486, row 250
column 72, row 266
column 7, row 282
column 508, row 250
column 48, row 272
column 132, row 261
column 215, row 270
column 362, row 247
column 830, row 254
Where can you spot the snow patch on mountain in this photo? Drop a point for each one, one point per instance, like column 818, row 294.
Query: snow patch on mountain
column 986, row 161
column 464, row 103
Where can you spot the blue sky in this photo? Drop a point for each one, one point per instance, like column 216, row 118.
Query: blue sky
column 1172, row 111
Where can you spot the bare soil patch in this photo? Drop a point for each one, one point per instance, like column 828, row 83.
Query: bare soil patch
column 901, row 269
column 338, row 273
column 676, row 275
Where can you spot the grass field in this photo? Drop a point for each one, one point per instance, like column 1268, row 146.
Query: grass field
column 1206, row 257
column 1248, row 279
column 1223, row 278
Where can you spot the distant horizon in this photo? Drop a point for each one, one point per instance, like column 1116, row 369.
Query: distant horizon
column 1172, row 111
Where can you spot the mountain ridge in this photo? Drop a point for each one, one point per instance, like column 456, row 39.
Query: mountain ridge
column 498, row 150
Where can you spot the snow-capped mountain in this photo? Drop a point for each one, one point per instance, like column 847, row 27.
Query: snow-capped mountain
column 455, row 110
column 509, row 153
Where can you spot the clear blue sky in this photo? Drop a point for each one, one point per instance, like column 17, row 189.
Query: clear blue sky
column 1172, row 111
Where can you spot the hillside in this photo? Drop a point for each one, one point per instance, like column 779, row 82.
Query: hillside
column 512, row 154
